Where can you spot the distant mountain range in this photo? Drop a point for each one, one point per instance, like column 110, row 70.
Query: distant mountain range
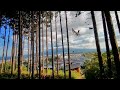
column 72, row 50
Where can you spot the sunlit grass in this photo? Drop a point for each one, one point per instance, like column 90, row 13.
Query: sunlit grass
column 74, row 74
column 27, row 75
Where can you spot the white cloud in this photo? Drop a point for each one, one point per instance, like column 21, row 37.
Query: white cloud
column 82, row 23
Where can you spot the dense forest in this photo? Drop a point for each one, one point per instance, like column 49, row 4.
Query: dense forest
column 35, row 26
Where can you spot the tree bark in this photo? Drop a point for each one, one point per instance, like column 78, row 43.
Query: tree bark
column 107, row 45
column 23, row 49
column 15, row 59
column 113, row 42
column 56, row 45
column 68, row 46
column 62, row 46
column 52, row 48
column 42, row 49
column 13, row 53
column 32, row 44
column 39, row 45
column 28, row 51
column 97, row 45
column 117, row 19
column 20, row 45
column 46, row 47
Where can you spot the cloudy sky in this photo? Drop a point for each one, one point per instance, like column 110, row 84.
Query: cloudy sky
column 86, row 38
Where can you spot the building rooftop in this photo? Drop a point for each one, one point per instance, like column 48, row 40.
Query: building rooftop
column 73, row 66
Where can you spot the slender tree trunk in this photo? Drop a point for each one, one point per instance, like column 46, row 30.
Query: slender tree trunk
column 117, row 19
column 62, row 46
column 23, row 50
column 11, row 58
column 7, row 48
column 15, row 51
column 3, row 50
column 17, row 36
column 56, row 45
column 20, row 45
column 13, row 54
column 46, row 47
column 107, row 45
column 52, row 48
column 32, row 44
column 30, row 58
column 42, row 50
column 68, row 46
column 28, row 51
column 113, row 42
column 97, row 45
column 39, row 45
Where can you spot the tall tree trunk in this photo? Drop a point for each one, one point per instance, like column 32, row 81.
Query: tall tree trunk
column 28, row 51
column 97, row 45
column 20, row 45
column 117, row 19
column 56, row 45
column 7, row 48
column 39, row 45
column 17, row 51
column 23, row 49
column 68, row 46
column 42, row 48
column 46, row 47
column 3, row 50
column 13, row 53
column 30, row 59
column 113, row 42
column 52, row 48
column 32, row 44
column 62, row 46
column 107, row 45
column 11, row 58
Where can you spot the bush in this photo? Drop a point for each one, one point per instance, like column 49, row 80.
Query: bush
column 92, row 69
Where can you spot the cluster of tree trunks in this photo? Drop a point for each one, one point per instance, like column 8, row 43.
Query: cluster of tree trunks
column 35, row 34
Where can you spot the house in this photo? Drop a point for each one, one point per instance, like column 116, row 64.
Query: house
column 74, row 66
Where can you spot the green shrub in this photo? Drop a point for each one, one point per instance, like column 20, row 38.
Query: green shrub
column 92, row 69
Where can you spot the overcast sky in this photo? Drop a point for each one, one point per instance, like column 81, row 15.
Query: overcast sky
column 86, row 38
